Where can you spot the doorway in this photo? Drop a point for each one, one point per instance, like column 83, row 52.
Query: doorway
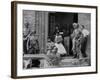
column 63, row 21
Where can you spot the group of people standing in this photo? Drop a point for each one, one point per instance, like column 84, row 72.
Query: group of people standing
column 78, row 39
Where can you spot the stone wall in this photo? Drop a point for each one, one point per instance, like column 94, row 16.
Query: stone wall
column 29, row 17
column 85, row 19
column 38, row 21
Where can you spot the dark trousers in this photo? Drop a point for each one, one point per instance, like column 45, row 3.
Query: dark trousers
column 25, row 47
column 70, row 47
column 84, row 46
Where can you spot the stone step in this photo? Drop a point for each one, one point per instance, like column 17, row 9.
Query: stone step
column 69, row 61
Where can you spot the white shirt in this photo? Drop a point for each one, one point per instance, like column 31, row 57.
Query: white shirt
column 85, row 32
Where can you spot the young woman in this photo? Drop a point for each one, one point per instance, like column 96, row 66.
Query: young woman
column 58, row 43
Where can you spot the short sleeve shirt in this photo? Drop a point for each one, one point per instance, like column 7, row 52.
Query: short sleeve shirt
column 85, row 32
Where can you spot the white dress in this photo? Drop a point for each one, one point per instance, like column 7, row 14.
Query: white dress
column 61, row 49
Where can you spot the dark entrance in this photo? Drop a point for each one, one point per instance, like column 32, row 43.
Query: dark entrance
column 64, row 22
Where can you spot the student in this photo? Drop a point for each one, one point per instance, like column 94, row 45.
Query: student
column 58, row 43
column 49, row 45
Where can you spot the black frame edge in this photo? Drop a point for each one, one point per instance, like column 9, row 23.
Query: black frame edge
column 55, row 4
column 96, row 39
column 13, row 40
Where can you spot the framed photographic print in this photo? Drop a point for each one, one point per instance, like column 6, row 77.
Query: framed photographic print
column 53, row 39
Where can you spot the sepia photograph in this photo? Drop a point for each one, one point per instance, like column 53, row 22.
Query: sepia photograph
column 53, row 39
